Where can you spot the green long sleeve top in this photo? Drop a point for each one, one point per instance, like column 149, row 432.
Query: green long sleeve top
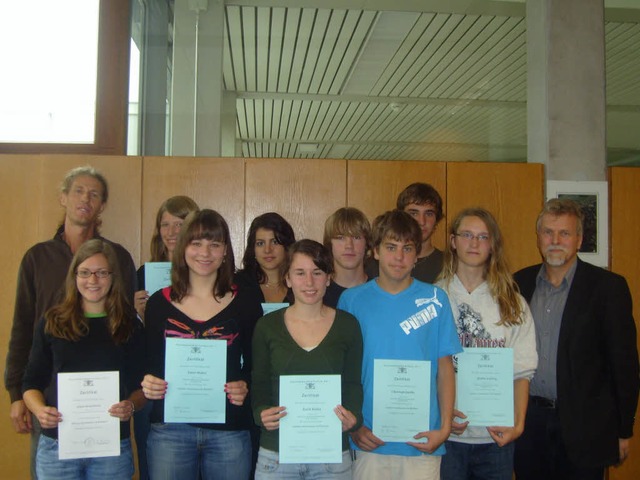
column 276, row 353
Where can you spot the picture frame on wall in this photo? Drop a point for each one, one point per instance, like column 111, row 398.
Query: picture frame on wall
column 593, row 197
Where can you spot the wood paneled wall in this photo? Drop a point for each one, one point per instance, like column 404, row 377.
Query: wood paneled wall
column 303, row 191
column 624, row 239
column 373, row 186
column 216, row 183
column 514, row 193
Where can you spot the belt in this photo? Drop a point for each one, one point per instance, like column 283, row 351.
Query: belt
column 542, row 402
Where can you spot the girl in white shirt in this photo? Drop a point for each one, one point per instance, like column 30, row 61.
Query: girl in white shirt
column 489, row 312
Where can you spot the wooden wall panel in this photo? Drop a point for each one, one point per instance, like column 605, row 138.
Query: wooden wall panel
column 305, row 192
column 373, row 186
column 623, row 241
column 216, row 183
column 512, row 192
column 20, row 192
column 29, row 191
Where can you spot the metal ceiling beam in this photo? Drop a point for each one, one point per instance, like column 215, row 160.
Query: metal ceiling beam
column 321, row 141
column 469, row 7
column 507, row 8
column 399, row 101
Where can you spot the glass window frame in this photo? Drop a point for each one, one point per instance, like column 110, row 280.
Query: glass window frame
column 111, row 89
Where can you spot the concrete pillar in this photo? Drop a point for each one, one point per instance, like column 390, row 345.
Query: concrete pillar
column 196, row 90
column 154, row 93
column 566, row 88
column 231, row 146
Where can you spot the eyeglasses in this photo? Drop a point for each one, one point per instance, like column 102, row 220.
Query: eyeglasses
column 97, row 273
column 468, row 236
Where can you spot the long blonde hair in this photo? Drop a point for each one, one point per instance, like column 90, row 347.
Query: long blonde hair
column 496, row 270
column 67, row 320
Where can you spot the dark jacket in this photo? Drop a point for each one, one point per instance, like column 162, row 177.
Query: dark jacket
column 41, row 280
column 597, row 364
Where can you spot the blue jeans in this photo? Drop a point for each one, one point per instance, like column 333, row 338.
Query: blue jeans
column 486, row 461
column 177, row 451
column 49, row 467
column 269, row 468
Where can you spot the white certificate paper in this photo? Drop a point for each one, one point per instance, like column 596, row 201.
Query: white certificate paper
column 401, row 397
column 196, row 371
column 87, row 430
column 157, row 275
column 484, row 386
column 311, row 431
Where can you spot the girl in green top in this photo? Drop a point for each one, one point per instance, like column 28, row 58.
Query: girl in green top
column 307, row 338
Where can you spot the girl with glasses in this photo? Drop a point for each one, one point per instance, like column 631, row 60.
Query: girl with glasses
column 93, row 329
column 489, row 312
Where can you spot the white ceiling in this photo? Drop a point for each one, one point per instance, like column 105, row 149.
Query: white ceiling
column 403, row 80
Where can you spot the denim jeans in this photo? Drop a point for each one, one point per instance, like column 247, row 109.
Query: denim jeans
column 177, row 451
column 485, row 461
column 49, row 467
column 269, row 468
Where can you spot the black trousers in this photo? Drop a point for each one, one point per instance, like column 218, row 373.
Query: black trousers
column 540, row 453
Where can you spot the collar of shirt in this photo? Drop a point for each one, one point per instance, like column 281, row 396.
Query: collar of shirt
column 541, row 278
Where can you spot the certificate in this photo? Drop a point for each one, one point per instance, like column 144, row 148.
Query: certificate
column 87, row 430
column 196, row 371
column 272, row 307
column 484, row 386
column 157, row 275
column 401, row 398
column 311, row 432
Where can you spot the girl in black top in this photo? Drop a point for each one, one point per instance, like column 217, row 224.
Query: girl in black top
column 93, row 329
column 202, row 303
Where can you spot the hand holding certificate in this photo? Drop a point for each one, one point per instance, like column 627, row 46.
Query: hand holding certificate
column 401, row 397
column 196, row 371
column 484, row 390
column 311, row 432
column 157, row 275
column 88, row 430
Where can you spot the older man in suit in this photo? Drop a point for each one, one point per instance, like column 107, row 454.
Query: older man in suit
column 584, row 396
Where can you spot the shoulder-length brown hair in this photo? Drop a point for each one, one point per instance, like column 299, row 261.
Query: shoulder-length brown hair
column 209, row 225
column 67, row 320
column 503, row 288
column 179, row 206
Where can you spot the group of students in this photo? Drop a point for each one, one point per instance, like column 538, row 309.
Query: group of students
column 345, row 309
